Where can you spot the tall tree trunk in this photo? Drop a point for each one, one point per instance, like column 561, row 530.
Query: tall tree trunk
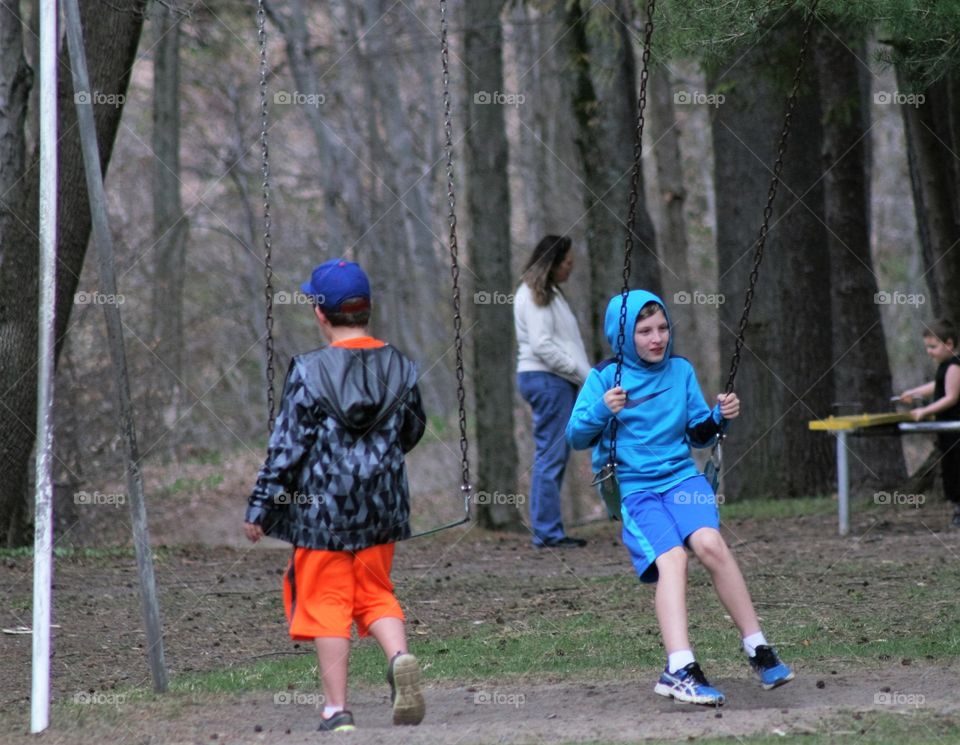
column 605, row 107
column 170, row 225
column 16, row 79
column 111, row 34
column 407, row 185
column 383, row 243
column 784, row 378
column 532, row 158
column 488, row 205
column 678, row 283
column 296, row 36
column 932, row 144
column 862, row 371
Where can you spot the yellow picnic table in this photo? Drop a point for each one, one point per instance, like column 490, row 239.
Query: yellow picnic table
column 858, row 421
column 853, row 424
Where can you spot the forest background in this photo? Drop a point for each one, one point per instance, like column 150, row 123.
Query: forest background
column 861, row 252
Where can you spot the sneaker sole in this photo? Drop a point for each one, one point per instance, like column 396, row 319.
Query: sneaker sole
column 408, row 706
column 778, row 683
column 665, row 690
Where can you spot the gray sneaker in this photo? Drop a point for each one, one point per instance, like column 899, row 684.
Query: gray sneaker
column 403, row 675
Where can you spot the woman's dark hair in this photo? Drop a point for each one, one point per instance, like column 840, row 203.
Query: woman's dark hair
column 538, row 273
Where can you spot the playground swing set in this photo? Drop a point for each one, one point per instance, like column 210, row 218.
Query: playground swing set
column 605, row 480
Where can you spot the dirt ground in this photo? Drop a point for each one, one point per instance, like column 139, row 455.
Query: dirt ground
column 222, row 608
column 599, row 711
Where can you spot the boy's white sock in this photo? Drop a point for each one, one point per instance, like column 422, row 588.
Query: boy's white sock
column 679, row 660
column 329, row 711
column 750, row 643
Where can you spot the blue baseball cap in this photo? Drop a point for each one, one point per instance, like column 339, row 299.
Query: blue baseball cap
column 338, row 280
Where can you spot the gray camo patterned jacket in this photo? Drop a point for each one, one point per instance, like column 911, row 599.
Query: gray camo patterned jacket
column 334, row 477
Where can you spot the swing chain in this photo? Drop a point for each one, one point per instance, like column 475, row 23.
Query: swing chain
column 465, row 486
column 771, row 195
column 632, row 213
column 267, row 237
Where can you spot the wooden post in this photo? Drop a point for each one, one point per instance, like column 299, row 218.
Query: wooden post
column 108, row 279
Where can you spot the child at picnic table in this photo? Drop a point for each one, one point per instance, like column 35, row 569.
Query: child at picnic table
column 940, row 342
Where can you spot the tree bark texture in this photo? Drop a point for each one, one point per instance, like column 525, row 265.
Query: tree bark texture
column 488, row 205
column 932, row 143
column 785, row 374
column 605, row 108
column 674, row 249
column 111, row 35
column 16, row 80
column 170, row 224
column 861, row 372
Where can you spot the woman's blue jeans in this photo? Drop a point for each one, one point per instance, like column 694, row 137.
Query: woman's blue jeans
column 551, row 398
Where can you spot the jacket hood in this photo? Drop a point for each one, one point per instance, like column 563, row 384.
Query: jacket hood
column 636, row 299
column 361, row 386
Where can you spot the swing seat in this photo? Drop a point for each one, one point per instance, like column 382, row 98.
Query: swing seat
column 609, row 489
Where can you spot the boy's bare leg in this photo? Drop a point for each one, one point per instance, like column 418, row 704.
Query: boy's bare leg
column 712, row 551
column 671, row 599
column 333, row 653
column 391, row 635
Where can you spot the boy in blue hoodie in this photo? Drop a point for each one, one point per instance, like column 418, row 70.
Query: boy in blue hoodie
column 667, row 505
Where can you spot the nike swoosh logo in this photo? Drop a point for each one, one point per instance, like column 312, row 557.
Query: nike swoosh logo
column 642, row 399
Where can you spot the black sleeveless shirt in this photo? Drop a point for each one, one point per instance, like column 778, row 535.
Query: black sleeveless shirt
column 940, row 390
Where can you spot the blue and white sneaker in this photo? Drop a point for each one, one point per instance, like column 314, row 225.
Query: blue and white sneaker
column 689, row 685
column 769, row 668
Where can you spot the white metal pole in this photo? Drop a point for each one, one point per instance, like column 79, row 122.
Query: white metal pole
column 43, row 520
column 843, row 483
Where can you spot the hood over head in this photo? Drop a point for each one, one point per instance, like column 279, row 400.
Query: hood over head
column 636, row 299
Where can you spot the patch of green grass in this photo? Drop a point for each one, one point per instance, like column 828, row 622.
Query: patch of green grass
column 916, row 727
column 777, row 509
column 439, row 428
column 69, row 552
column 207, row 458
column 191, row 485
column 85, row 553
column 16, row 553
column 597, row 642
column 298, row 671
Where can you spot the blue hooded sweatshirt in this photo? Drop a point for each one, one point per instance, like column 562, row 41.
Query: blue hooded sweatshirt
column 665, row 412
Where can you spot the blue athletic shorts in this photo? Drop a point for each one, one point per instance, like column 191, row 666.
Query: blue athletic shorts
column 653, row 522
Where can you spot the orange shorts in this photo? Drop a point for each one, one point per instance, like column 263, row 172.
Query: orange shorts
column 324, row 592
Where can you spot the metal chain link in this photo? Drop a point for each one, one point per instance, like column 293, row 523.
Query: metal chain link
column 632, row 213
column 771, row 195
column 465, row 486
column 267, row 237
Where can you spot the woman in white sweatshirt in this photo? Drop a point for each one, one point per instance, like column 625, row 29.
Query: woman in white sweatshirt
column 551, row 366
